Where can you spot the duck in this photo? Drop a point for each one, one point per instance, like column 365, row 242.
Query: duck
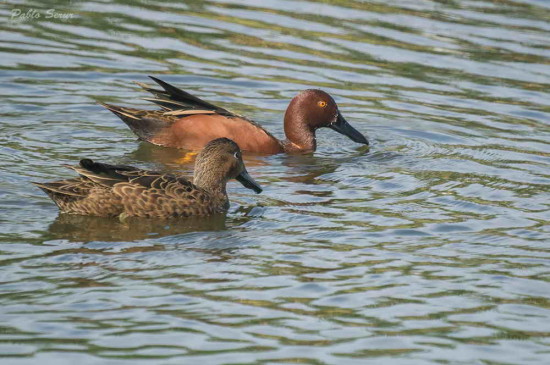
column 125, row 191
column 188, row 122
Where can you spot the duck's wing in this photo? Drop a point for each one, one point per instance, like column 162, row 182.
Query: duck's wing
column 110, row 175
column 93, row 175
column 103, row 174
column 109, row 190
column 173, row 98
column 180, row 103
column 146, row 193
column 89, row 194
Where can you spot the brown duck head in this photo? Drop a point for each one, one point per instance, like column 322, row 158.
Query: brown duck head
column 218, row 162
column 312, row 109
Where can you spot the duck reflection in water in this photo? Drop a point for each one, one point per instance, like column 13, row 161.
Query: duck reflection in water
column 80, row 228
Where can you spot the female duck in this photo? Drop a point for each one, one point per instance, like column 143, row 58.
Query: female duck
column 109, row 190
column 189, row 122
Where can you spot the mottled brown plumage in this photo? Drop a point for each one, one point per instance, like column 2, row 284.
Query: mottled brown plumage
column 186, row 121
column 115, row 190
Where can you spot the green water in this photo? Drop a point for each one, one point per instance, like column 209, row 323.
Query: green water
column 432, row 247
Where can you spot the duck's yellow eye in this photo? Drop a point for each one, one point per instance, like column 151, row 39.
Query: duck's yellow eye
column 322, row 104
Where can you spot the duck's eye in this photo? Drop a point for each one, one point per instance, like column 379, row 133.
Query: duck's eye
column 236, row 155
column 322, row 103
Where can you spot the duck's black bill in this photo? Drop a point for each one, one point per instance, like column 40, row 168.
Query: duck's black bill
column 343, row 127
column 248, row 182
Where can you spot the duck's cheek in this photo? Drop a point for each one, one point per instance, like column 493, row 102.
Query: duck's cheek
column 237, row 170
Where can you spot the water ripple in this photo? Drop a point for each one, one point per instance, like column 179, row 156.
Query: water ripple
column 427, row 247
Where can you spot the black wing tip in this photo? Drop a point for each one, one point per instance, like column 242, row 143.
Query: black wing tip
column 171, row 89
column 159, row 81
column 181, row 95
column 86, row 162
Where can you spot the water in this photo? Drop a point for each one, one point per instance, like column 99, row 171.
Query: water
column 431, row 247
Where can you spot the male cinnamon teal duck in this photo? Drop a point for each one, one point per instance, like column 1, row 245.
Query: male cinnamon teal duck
column 186, row 121
column 111, row 190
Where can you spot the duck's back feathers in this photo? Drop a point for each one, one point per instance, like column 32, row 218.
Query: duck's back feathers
column 110, row 190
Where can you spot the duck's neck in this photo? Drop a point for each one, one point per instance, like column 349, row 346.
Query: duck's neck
column 214, row 184
column 299, row 138
column 300, row 135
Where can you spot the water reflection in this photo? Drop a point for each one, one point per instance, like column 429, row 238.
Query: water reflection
column 170, row 157
column 178, row 159
column 78, row 228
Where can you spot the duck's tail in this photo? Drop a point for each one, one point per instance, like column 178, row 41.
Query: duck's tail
column 65, row 192
column 56, row 188
column 144, row 123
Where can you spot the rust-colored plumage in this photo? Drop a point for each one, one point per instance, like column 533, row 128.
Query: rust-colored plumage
column 186, row 121
column 115, row 190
